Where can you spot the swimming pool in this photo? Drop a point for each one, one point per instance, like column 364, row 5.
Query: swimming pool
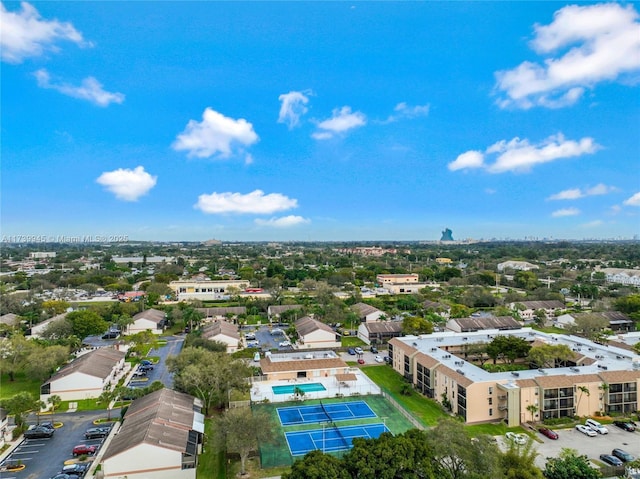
column 307, row 388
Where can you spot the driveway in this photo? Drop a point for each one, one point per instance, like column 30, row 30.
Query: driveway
column 160, row 371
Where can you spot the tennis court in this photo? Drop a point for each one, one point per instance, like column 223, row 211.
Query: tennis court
column 330, row 438
column 324, row 412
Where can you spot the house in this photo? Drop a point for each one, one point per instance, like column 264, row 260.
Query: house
column 442, row 310
column 274, row 311
column 379, row 332
column 618, row 322
column 629, row 277
column 37, row 329
column 211, row 314
column 160, row 438
column 9, row 319
column 516, row 266
column 437, row 366
column 87, row 376
column 367, row 313
column 302, row 364
column 148, row 320
column 386, row 279
column 465, row 325
column 528, row 309
column 313, row 334
column 223, row 332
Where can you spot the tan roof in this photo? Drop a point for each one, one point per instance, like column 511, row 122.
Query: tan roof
column 402, row 346
column 527, row 383
column 346, row 377
column 553, row 304
column 281, row 308
column 98, row 363
column 620, row 376
column 435, row 305
column 151, row 315
column 269, row 366
column 9, row 319
column 363, row 309
column 217, row 328
column 384, row 327
column 306, row 325
column 587, row 378
column 561, row 381
column 488, row 322
column 456, row 376
column 426, row 360
column 162, row 418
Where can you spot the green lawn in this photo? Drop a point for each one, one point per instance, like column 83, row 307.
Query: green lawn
column 352, row 341
column 211, row 463
column 419, row 406
column 21, row 383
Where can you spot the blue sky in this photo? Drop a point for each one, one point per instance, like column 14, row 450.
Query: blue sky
column 320, row 121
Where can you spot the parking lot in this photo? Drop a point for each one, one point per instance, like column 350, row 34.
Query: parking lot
column 591, row 447
column 44, row 458
column 160, row 371
column 266, row 339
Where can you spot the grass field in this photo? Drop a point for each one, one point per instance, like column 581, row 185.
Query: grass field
column 21, row 383
column 424, row 409
column 352, row 341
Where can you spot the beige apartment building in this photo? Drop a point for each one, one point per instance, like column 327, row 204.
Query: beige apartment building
column 601, row 378
column 205, row 289
column 388, row 279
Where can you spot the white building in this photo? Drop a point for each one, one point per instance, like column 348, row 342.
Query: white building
column 37, row 329
column 223, row 332
column 149, row 320
column 367, row 313
column 313, row 334
column 379, row 332
column 86, row 377
column 630, row 277
column 517, row 266
column 160, row 438
column 206, row 289
column 527, row 309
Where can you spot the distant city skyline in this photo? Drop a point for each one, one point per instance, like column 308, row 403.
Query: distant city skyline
column 321, row 121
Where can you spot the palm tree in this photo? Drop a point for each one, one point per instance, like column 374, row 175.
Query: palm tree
column 107, row 396
column 40, row 405
column 533, row 409
column 604, row 387
column 583, row 390
column 55, row 401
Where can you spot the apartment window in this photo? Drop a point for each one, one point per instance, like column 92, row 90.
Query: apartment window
column 490, row 401
column 490, row 390
column 490, row 411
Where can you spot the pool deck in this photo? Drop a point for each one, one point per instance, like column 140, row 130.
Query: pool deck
column 261, row 390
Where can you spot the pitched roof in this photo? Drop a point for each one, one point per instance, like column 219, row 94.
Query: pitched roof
column 364, row 309
column 211, row 312
column 553, row 304
column 281, row 308
column 162, row 418
column 384, row 327
column 269, row 366
column 306, row 325
column 436, row 305
column 220, row 327
column 98, row 363
column 487, row 322
column 153, row 315
column 9, row 319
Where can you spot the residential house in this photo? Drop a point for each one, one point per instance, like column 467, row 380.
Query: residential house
column 480, row 323
column 367, row 313
column 379, row 332
column 274, row 311
column 618, row 322
column 441, row 309
column 223, row 332
column 314, row 334
column 36, row 330
column 630, row 277
column 527, row 309
column 148, row 320
column 87, row 376
column 9, row 319
column 160, row 438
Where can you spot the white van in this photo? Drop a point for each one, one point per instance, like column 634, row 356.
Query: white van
column 596, row 426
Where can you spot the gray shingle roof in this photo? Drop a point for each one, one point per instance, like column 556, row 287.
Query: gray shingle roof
column 98, row 363
column 151, row 315
column 306, row 325
column 220, row 327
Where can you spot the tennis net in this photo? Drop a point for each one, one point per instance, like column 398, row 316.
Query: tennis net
column 324, row 409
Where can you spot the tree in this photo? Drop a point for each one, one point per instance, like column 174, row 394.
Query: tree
column 569, row 465
column 43, row 361
column 317, row 465
column 87, row 323
column 549, row 355
column 13, row 354
column 192, row 317
column 582, row 390
column 18, row 405
column 241, row 429
column 406, row 456
column 508, row 348
column 533, row 409
column 416, row 325
column 526, row 280
column 54, row 307
column 58, row 330
column 210, row 376
column 590, row 324
column 54, row 400
column 106, row 397
column 518, row 462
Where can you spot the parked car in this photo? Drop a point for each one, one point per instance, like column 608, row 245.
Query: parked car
column 359, row 350
column 79, row 469
column 62, row 476
column 551, row 434
column 38, row 432
column 387, row 360
column 611, row 460
column 360, row 361
column 146, row 362
column 253, row 344
column 596, row 426
column 379, row 359
column 110, row 335
column 140, row 374
column 284, row 344
column 626, row 425
column 623, row 455
column 250, row 336
column 586, row 430
column 276, row 331
column 373, row 349
column 351, row 351
column 82, row 449
column 97, row 432
column 145, row 367
column 48, row 425
column 520, row 439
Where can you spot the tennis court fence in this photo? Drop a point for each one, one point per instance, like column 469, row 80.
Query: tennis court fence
column 403, row 411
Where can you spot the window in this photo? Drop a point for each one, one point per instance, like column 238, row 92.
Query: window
column 490, row 411
column 490, row 390
column 490, row 401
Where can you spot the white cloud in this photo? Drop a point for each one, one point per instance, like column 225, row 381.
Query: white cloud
column 520, row 156
column 468, row 159
column 402, row 111
column 255, row 202
column 216, row 134
column 25, row 34
column 577, row 193
column 282, row 222
column 593, row 224
column 126, row 184
column 90, row 89
column 293, row 107
column 342, row 120
column 633, row 200
column 565, row 212
column 600, row 43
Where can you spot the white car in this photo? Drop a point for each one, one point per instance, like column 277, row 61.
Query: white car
column 283, row 344
column 277, row 331
column 520, row 439
column 379, row 359
column 596, row 426
column 586, row 430
column 359, row 350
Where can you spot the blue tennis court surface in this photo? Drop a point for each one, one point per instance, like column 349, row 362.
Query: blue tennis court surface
column 322, row 413
column 331, row 438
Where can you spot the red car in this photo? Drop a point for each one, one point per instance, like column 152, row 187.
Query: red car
column 360, row 361
column 82, row 449
column 548, row 432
